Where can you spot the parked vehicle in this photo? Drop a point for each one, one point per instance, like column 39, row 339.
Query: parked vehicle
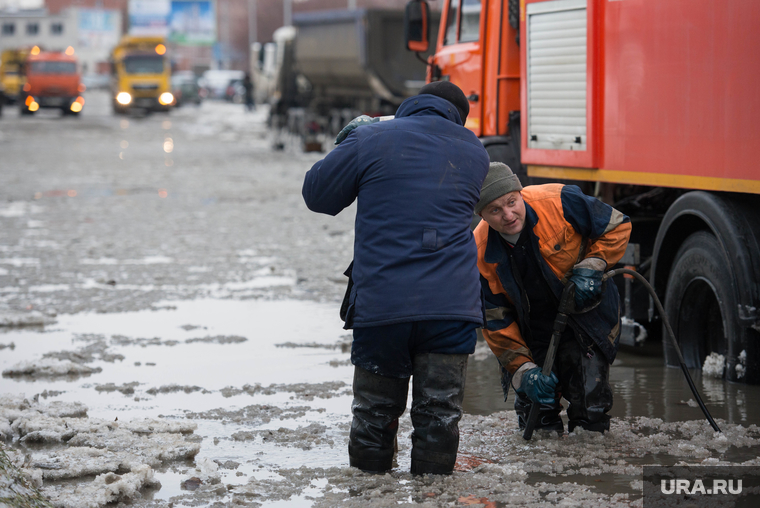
column 652, row 107
column 235, row 91
column 185, row 89
column 51, row 81
column 215, row 82
column 11, row 73
column 335, row 65
column 141, row 75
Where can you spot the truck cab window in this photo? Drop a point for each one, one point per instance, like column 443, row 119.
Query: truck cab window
column 451, row 23
column 469, row 30
column 463, row 26
column 144, row 65
column 53, row 67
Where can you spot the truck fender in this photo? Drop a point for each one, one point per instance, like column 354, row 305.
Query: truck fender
column 733, row 221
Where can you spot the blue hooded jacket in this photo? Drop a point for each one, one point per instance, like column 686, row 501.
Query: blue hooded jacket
column 416, row 179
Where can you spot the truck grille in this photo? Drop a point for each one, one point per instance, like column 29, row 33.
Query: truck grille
column 144, row 87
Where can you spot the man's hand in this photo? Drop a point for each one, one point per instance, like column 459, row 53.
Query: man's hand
column 588, row 286
column 537, row 387
column 353, row 124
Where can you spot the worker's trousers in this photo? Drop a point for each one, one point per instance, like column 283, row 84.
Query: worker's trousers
column 583, row 374
column 379, row 401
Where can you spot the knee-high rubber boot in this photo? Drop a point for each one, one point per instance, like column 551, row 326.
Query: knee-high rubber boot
column 378, row 403
column 438, row 391
column 585, row 378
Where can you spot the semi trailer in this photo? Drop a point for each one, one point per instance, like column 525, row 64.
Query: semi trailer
column 649, row 105
column 335, row 65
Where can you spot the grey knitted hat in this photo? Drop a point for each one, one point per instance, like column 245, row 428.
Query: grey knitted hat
column 499, row 181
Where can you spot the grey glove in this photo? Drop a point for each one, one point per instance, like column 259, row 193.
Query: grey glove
column 353, row 124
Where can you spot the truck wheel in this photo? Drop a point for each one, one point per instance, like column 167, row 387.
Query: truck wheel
column 701, row 306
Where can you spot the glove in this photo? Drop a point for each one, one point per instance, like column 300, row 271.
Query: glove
column 353, row 124
column 537, row 387
column 588, row 286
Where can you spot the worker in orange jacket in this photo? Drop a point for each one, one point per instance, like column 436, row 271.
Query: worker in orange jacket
column 530, row 242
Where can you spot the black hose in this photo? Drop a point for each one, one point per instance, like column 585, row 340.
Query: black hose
column 671, row 335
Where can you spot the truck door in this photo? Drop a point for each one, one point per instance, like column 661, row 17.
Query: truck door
column 460, row 54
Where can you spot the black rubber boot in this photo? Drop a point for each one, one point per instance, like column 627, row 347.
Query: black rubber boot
column 548, row 414
column 584, row 374
column 438, row 391
column 378, row 403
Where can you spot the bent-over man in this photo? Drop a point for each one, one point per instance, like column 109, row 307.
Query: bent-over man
column 530, row 240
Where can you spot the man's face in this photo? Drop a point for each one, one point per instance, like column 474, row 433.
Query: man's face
column 506, row 214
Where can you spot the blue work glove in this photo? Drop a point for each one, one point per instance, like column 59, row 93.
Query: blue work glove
column 537, row 387
column 353, row 124
column 588, row 286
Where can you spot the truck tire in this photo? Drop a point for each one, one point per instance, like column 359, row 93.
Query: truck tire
column 700, row 304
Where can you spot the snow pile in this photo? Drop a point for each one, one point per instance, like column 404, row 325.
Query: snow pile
column 33, row 318
column 254, row 414
column 714, row 366
column 741, row 366
column 105, row 489
column 304, row 391
column 15, row 487
column 121, row 455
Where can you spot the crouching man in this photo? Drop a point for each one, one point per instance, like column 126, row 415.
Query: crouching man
column 530, row 241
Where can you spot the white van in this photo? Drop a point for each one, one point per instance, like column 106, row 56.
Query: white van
column 215, row 82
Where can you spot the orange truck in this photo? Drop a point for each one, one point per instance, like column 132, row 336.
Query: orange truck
column 653, row 107
column 52, row 81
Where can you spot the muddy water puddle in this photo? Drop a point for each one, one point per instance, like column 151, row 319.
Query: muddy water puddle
column 263, row 390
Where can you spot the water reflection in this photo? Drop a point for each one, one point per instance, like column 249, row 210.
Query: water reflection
column 642, row 386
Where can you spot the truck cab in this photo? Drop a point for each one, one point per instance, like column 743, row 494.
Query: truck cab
column 52, row 81
column 11, row 75
column 141, row 75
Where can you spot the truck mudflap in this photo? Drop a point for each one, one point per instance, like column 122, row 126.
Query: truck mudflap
column 706, row 265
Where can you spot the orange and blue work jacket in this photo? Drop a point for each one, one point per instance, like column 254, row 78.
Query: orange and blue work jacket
column 565, row 226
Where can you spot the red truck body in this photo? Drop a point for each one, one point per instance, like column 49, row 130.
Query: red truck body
column 652, row 106
column 672, row 95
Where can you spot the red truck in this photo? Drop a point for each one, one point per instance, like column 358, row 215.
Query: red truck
column 52, row 81
column 653, row 107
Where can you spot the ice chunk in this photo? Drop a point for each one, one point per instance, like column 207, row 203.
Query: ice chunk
column 741, row 366
column 107, row 488
column 33, row 318
column 49, row 367
column 714, row 365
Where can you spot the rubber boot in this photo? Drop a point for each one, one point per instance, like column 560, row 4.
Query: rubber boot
column 548, row 414
column 584, row 374
column 378, row 403
column 438, row 391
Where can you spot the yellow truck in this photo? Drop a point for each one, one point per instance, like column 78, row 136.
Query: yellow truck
column 11, row 73
column 141, row 75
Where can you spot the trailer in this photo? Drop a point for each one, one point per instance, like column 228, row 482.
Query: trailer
column 336, row 65
column 650, row 105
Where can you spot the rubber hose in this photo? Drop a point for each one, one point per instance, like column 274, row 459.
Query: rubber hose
column 670, row 334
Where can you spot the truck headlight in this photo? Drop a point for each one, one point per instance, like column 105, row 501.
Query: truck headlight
column 123, row 98
column 166, row 98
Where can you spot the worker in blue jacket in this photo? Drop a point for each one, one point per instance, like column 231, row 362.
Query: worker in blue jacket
column 414, row 299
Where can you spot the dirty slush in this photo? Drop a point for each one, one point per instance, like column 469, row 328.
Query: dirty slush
column 169, row 336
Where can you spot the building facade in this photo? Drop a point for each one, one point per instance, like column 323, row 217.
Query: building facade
column 91, row 32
